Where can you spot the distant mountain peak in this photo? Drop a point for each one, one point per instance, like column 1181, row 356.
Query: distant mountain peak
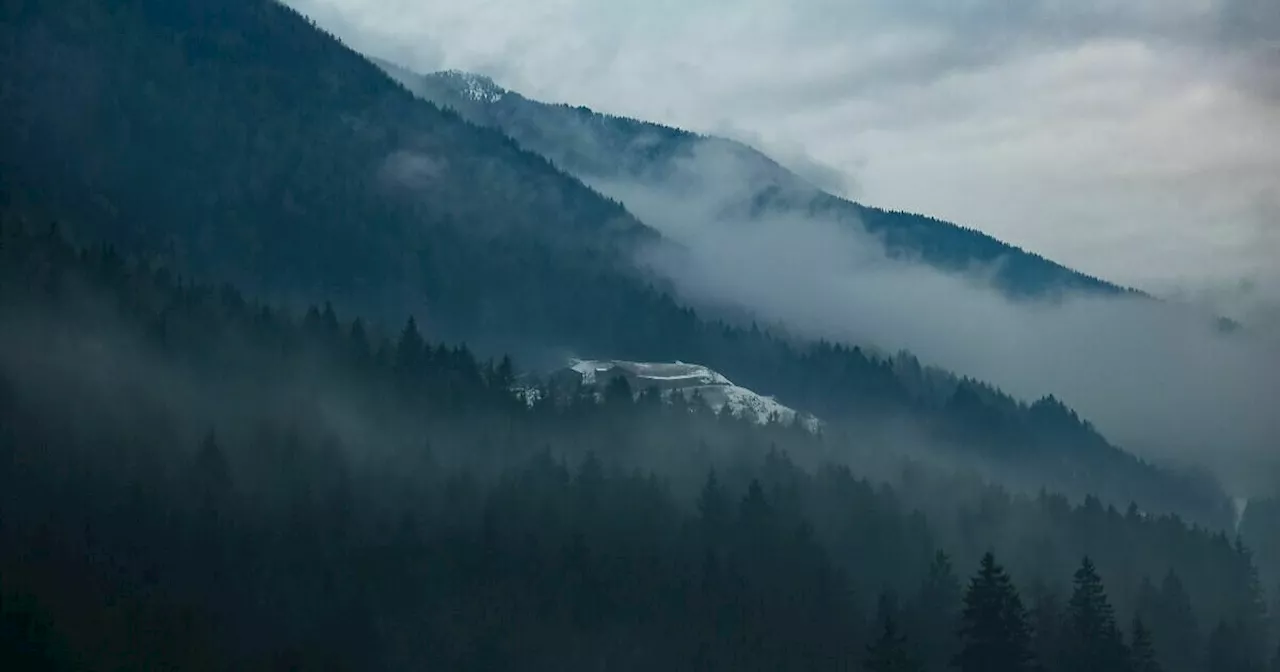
column 600, row 148
column 475, row 87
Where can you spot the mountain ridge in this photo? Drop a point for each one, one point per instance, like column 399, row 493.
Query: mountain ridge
column 594, row 145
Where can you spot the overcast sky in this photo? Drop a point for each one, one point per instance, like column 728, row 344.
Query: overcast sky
column 1138, row 140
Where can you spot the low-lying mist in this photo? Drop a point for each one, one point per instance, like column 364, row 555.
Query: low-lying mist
column 1161, row 379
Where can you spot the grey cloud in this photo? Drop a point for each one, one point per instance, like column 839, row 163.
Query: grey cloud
column 918, row 42
column 886, row 42
column 1156, row 377
column 1251, row 22
column 350, row 24
column 796, row 158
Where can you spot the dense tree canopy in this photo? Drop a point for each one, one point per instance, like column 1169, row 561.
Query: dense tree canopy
column 193, row 479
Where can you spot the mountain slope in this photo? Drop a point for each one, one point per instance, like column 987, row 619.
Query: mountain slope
column 275, row 493
column 601, row 148
column 231, row 139
column 260, row 134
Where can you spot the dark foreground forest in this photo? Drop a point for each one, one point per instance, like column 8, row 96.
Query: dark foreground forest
column 193, row 480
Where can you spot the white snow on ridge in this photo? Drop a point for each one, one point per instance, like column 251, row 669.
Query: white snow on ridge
column 666, row 373
column 478, row 87
column 715, row 390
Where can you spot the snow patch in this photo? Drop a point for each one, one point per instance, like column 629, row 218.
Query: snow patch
column 690, row 380
column 477, row 87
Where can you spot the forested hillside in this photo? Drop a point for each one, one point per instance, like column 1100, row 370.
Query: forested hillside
column 233, row 140
column 272, row 331
column 240, row 140
column 191, row 479
column 595, row 146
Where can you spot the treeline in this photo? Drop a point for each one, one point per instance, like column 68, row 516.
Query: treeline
column 193, row 480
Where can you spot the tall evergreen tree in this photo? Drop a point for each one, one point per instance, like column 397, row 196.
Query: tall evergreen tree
column 410, row 350
column 994, row 634
column 358, row 342
column 1274, row 611
column 713, row 508
column 1142, row 655
column 933, row 613
column 1252, row 619
column 1227, row 649
column 754, row 509
column 1046, row 626
column 1091, row 638
column 212, row 475
column 1175, row 630
column 618, row 392
column 889, row 652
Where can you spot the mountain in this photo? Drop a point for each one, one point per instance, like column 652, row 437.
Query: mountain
column 234, row 141
column 603, row 150
column 238, row 140
column 693, row 382
column 238, row 430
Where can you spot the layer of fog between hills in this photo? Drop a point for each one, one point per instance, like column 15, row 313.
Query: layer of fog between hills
column 1156, row 377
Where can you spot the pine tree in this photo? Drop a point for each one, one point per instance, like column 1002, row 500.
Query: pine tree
column 1178, row 638
column 1225, row 650
column 888, row 653
column 618, row 392
column 212, row 474
column 933, row 614
column 1274, row 612
column 1091, row 639
column 1147, row 601
column 505, row 374
column 754, row 510
column 1251, row 622
column 589, row 483
column 713, row 508
column 995, row 635
column 359, row 342
column 329, row 321
column 410, row 350
column 1142, row 654
column 1046, row 626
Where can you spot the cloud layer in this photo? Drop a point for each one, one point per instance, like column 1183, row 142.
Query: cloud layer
column 1132, row 139
column 1157, row 377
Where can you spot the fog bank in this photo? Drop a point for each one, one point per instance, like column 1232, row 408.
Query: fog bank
column 1158, row 378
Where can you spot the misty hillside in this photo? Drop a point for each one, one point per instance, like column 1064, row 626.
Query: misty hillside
column 193, row 479
column 235, row 141
column 604, row 149
column 288, row 161
column 300, row 371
